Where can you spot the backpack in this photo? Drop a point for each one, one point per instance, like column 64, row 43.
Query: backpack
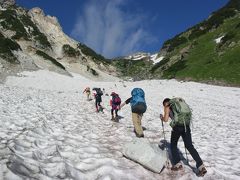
column 87, row 89
column 116, row 100
column 182, row 113
column 99, row 92
column 137, row 102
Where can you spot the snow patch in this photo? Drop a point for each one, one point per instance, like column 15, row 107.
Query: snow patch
column 155, row 59
column 218, row 40
column 2, row 9
column 138, row 56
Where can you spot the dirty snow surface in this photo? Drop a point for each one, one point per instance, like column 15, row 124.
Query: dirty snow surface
column 49, row 131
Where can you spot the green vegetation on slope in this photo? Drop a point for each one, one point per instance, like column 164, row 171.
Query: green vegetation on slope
column 214, row 21
column 6, row 47
column 47, row 57
column 97, row 58
column 209, row 61
column 93, row 71
column 138, row 69
column 19, row 23
column 159, row 64
column 10, row 21
column 70, row 51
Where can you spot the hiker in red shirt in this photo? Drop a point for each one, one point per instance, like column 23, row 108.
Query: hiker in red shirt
column 115, row 103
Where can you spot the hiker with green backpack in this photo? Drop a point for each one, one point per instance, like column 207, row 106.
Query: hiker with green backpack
column 180, row 113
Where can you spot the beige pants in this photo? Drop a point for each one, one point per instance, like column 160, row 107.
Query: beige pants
column 88, row 95
column 136, row 118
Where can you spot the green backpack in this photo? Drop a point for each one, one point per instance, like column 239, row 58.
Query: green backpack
column 182, row 113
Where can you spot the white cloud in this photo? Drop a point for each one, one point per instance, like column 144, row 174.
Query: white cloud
column 110, row 31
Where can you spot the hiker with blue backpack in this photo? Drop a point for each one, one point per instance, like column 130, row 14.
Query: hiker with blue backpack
column 115, row 103
column 138, row 107
column 180, row 113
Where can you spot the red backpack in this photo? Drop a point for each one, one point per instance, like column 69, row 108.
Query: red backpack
column 116, row 100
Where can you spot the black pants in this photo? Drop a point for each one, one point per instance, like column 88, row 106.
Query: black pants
column 116, row 112
column 97, row 104
column 187, row 139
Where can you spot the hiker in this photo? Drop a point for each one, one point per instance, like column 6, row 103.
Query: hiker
column 98, row 99
column 115, row 103
column 181, row 115
column 138, row 107
column 88, row 92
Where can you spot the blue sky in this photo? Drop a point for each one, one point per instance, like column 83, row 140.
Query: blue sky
column 121, row 27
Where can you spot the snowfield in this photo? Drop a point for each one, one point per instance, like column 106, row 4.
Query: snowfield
column 48, row 130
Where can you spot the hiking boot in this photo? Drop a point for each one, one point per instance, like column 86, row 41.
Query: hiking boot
column 177, row 167
column 202, row 170
column 135, row 131
column 140, row 136
column 113, row 119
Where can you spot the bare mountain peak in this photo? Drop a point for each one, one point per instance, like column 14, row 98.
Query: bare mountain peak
column 37, row 10
column 39, row 13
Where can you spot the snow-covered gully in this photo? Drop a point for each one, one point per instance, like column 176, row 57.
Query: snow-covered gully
column 49, row 131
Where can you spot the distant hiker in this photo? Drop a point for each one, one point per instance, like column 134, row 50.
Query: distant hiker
column 98, row 99
column 180, row 114
column 138, row 107
column 115, row 103
column 88, row 92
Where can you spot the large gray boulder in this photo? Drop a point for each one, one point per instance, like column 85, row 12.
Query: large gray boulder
column 148, row 155
column 7, row 3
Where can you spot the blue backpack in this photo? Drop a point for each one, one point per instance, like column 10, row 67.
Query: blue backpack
column 137, row 102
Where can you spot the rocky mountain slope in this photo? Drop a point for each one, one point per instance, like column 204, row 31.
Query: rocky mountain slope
column 30, row 40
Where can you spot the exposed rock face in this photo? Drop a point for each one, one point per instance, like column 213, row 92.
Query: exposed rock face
column 39, row 12
column 50, row 26
column 7, row 3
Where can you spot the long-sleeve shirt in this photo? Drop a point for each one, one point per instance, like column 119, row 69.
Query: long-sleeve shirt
column 128, row 100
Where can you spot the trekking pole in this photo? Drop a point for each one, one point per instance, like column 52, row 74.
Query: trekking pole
column 184, row 144
column 164, row 134
column 186, row 154
column 165, row 144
